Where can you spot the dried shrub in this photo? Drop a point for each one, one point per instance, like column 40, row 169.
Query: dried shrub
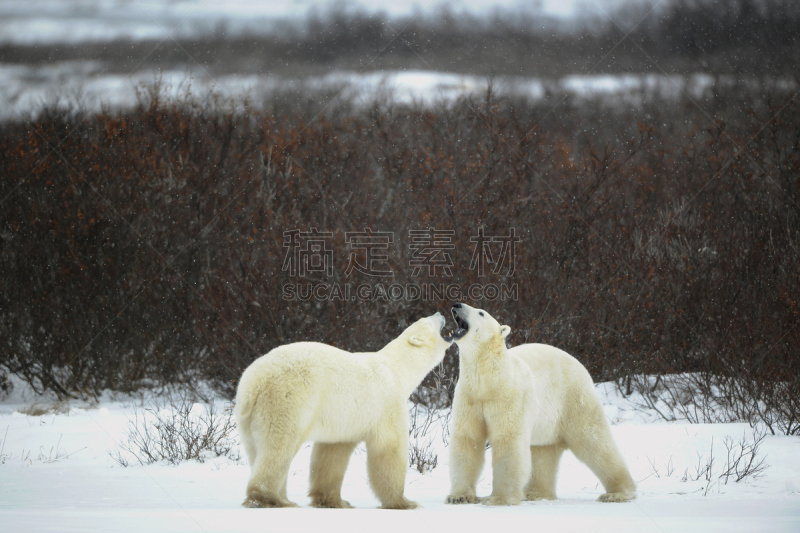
column 176, row 430
column 423, row 421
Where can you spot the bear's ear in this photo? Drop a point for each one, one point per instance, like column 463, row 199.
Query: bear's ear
column 504, row 331
column 416, row 341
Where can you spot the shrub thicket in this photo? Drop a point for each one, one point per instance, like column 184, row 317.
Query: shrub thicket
column 148, row 244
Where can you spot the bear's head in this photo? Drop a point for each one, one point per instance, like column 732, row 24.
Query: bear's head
column 426, row 338
column 428, row 332
column 477, row 331
column 416, row 351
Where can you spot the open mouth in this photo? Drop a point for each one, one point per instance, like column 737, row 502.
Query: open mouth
column 462, row 324
column 461, row 327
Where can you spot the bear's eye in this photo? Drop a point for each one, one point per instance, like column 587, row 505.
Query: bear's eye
column 480, row 313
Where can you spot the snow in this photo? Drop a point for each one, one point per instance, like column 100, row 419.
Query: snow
column 25, row 89
column 57, row 474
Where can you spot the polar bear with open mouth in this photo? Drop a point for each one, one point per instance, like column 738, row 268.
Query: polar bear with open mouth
column 531, row 403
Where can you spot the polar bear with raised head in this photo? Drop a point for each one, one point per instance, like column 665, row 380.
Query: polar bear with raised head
column 531, row 403
column 308, row 391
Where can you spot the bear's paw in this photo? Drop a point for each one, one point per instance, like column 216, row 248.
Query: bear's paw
column 501, row 500
column 616, row 497
column 457, row 499
column 260, row 502
column 535, row 495
column 401, row 504
column 330, row 503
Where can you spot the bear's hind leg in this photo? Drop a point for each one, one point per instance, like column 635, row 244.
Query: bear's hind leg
column 328, row 465
column 270, row 470
column 267, row 485
column 544, row 462
column 595, row 447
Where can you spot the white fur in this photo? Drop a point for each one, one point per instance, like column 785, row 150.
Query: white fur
column 310, row 391
column 531, row 403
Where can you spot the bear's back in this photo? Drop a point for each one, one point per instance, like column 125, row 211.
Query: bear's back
column 546, row 358
column 552, row 369
column 304, row 363
column 344, row 388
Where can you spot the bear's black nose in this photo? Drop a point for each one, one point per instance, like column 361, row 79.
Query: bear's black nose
column 457, row 306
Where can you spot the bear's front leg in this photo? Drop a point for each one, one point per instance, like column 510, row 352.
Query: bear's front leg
column 386, row 465
column 467, row 452
column 387, row 460
column 511, row 459
column 328, row 465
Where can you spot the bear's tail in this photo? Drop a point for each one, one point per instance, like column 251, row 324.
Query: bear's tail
column 244, row 408
column 245, row 403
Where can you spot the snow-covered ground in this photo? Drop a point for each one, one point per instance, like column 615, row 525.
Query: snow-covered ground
column 25, row 89
column 52, row 21
column 57, row 475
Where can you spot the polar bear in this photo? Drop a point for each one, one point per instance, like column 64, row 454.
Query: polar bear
column 310, row 391
column 531, row 403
